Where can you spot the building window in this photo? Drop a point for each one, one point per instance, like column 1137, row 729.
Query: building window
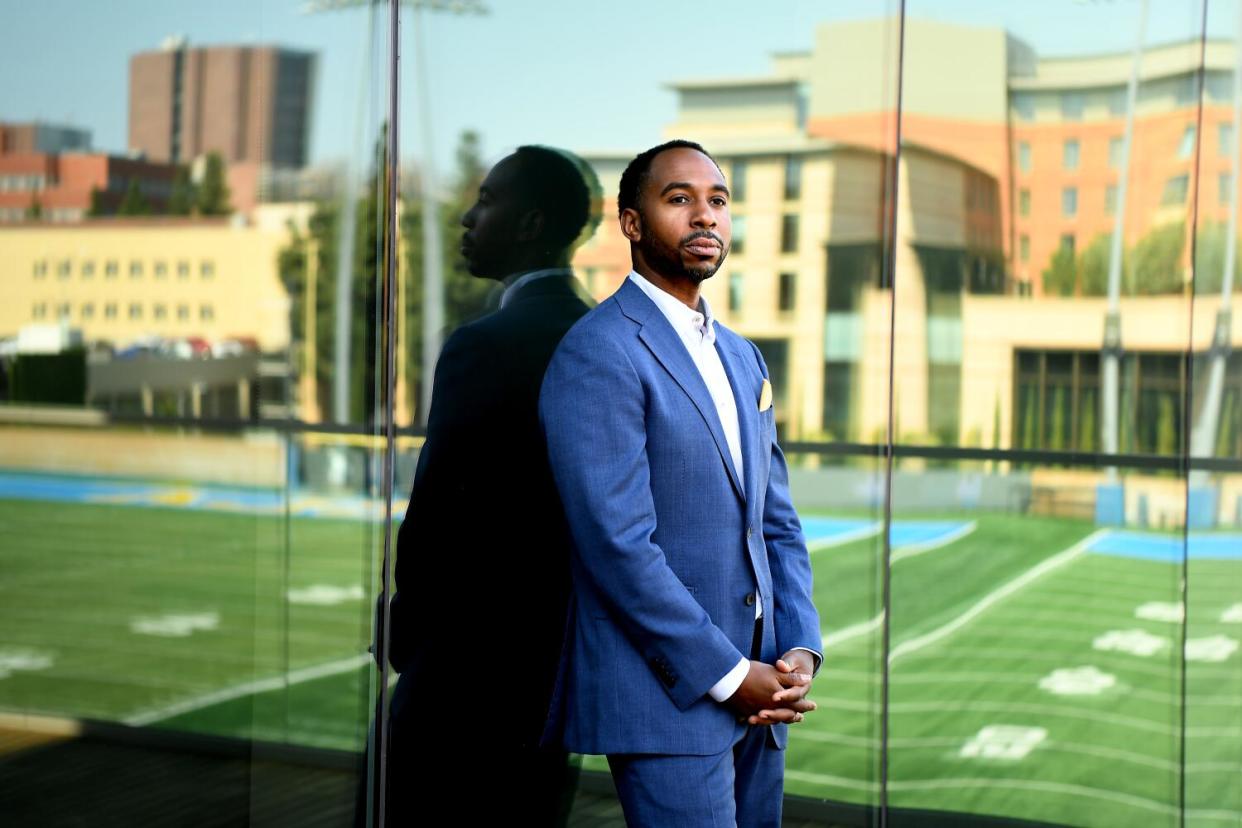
column 1186, row 147
column 1024, row 202
column 88, row 270
column 63, row 310
column 39, row 311
column 1024, row 248
column 1110, row 199
column 737, row 243
column 161, row 270
column 1072, row 105
column 1175, row 190
column 110, row 310
column 206, row 313
column 1117, row 101
column 789, row 233
column 793, row 178
column 1116, row 145
column 111, row 268
column 1187, row 93
column 1024, row 105
column 64, row 269
column 1024, row 156
column 183, row 312
column 1068, row 243
column 736, row 280
column 1224, row 140
column 787, row 293
column 737, row 189
column 40, row 269
column 1069, row 154
column 1069, row 202
column 1224, row 186
column 88, row 311
column 135, row 270
column 207, row 269
column 135, row 310
column 183, row 270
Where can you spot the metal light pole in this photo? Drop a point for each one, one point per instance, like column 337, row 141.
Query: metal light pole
column 428, row 195
column 1203, row 436
column 1111, row 351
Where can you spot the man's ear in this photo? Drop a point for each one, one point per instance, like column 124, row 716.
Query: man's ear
column 631, row 224
column 530, row 226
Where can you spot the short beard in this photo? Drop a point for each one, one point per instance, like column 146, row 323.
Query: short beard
column 671, row 264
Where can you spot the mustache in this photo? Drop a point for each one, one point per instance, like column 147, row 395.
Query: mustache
column 702, row 234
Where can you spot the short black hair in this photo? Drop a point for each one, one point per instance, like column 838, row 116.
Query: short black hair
column 638, row 169
column 564, row 188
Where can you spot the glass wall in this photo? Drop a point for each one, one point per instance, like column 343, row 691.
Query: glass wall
column 986, row 250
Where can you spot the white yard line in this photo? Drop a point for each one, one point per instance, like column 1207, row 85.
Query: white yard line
column 912, row 549
column 997, row 595
column 250, row 688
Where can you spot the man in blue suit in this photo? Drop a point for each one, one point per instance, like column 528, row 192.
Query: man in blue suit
column 693, row 638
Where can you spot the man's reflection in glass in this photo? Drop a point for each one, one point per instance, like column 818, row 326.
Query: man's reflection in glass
column 482, row 572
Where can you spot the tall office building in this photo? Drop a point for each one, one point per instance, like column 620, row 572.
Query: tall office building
column 251, row 104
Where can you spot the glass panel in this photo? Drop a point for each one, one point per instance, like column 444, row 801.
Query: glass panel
column 1213, row 567
column 189, row 461
column 1035, row 660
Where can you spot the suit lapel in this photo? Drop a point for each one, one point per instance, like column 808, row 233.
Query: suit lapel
column 660, row 338
column 747, row 408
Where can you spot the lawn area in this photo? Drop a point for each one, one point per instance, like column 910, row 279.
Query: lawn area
column 1029, row 676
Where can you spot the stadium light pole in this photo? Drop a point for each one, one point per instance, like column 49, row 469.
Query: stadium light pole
column 1111, row 351
column 1203, row 435
column 429, row 201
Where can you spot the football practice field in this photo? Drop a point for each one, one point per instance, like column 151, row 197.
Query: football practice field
column 1036, row 664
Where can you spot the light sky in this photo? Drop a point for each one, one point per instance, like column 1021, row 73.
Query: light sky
column 589, row 75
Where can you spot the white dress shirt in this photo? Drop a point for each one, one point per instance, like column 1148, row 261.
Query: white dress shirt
column 697, row 331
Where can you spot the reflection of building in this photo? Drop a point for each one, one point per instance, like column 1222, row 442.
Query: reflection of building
column 119, row 280
column 250, row 104
column 1006, row 158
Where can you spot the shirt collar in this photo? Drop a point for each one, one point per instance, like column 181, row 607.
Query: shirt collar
column 683, row 318
column 515, row 281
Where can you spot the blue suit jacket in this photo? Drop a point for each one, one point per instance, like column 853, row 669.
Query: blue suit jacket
column 668, row 542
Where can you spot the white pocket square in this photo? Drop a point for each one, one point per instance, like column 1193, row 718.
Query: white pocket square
column 765, row 396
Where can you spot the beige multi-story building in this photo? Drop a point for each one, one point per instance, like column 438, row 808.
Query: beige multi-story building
column 121, row 280
column 1005, row 159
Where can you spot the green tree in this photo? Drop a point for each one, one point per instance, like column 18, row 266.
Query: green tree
column 1093, row 266
column 1056, row 435
column 1166, row 426
column 1210, row 248
column 1061, row 274
column 213, row 191
column 1157, row 261
column 134, row 203
column 181, row 200
column 35, row 211
column 465, row 296
column 97, row 207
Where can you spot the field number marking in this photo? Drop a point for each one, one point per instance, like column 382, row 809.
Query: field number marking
column 1006, row 742
column 174, row 626
column 1078, row 681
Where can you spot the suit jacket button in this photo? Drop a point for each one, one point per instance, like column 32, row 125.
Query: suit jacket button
column 750, row 599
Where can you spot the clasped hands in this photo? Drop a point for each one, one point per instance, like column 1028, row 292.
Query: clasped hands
column 775, row 693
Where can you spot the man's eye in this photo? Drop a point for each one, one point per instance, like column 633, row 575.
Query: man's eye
column 719, row 202
column 678, row 199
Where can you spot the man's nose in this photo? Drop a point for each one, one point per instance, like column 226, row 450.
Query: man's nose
column 467, row 218
column 704, row 215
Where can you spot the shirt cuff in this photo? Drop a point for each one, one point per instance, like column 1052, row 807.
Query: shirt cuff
column 818, row 657
column 727, row 686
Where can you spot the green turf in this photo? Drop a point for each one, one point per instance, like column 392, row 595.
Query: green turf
column 971, row 650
